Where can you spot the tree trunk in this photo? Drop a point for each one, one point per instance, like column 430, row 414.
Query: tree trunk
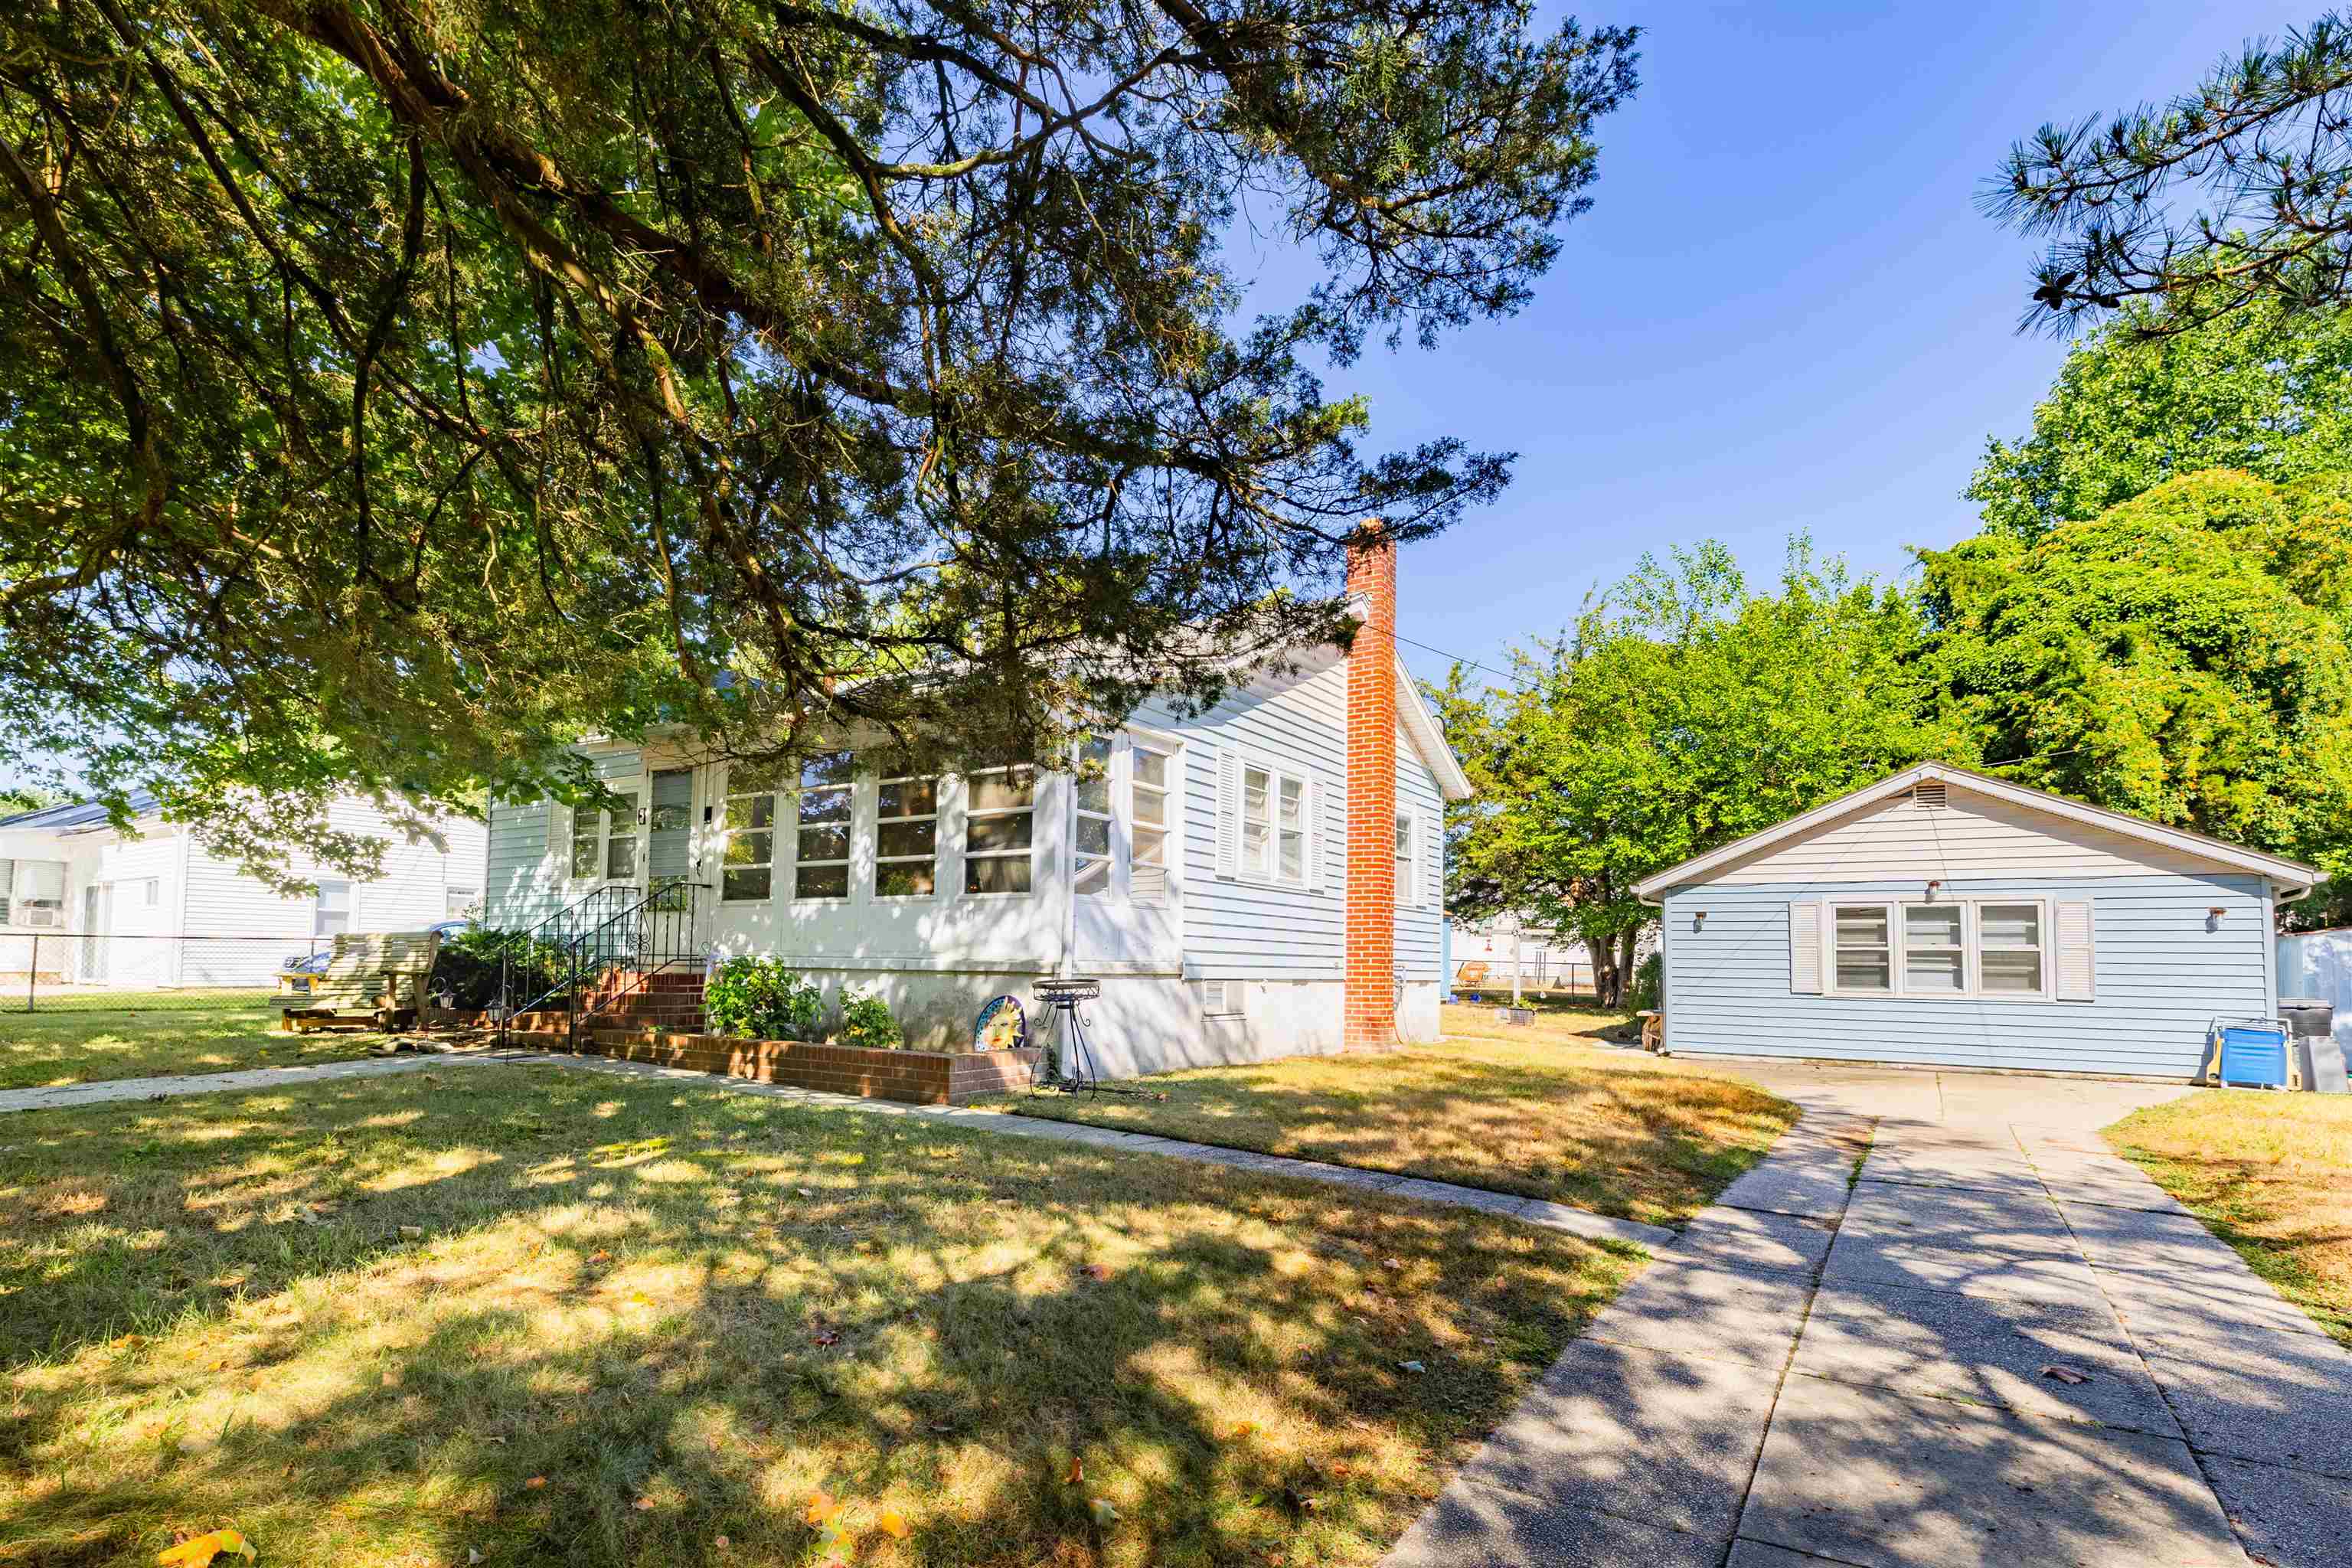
column 1607, row 984
column 1628, row 963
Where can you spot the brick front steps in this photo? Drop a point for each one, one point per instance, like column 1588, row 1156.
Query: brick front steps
column 911, row 1078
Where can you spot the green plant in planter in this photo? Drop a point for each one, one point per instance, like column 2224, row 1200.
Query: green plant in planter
column 760, row 999
column 866, row 1021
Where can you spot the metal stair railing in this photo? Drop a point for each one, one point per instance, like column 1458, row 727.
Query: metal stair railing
column 650, row 933
column 536, row 963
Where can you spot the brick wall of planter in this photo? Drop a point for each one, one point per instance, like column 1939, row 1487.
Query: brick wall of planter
column 911, row 1078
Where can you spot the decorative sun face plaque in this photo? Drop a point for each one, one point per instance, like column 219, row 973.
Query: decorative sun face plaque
column 1001, row 1026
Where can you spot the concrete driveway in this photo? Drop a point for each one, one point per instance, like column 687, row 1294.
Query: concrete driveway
column 2001, row 1345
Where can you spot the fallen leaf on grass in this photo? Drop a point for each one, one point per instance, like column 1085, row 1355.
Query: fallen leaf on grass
column 203, row 1549
column 1245, row 1429
column 533, row 1484
column 646, row 1505
column 822, row 1507
column 1391, row 1262
column 1097, row 1272
column 1077, row 1472
column 1104, row 1514
column 892, row 1525
column 825, row 1337
column 600, row 1256
column 2066, row 1375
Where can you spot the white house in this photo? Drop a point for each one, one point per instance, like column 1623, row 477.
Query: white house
column 1943, row 918
column 83, row 903
column 1259, row 880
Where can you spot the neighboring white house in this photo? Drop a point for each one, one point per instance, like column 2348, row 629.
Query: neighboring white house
column 1943, row 918
column 152, row 908
column 1206, row 879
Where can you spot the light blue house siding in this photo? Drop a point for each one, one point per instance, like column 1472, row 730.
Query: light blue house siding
column 2144, row 934
column 2166, row 967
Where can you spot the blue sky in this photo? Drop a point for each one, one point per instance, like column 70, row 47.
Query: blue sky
column 1784, row 310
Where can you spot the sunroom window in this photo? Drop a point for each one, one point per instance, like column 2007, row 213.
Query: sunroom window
column 1092, row 798
column 906, row 838
column 748, row 872
column 1150, row 786
column 1000, row 806
column 822, row 822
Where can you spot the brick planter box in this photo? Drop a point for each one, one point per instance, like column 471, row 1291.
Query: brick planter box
column 911, row 1078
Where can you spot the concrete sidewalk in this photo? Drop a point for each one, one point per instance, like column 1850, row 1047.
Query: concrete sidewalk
column 2004, row 1346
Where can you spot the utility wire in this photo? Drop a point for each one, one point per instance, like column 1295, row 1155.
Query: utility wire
column 1520, row 681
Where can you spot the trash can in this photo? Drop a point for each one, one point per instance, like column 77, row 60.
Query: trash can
column 2311, row 1023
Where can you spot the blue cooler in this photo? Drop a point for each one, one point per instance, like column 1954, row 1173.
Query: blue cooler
column 2247, row 1051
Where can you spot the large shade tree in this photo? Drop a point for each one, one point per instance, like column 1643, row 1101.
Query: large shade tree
column 1685, row 708
column 2263, row 389
column 395, row 392
column 2181, row 657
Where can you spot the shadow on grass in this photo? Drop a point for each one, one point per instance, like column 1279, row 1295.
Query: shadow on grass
column 684, row 1311
column 1637, row 1142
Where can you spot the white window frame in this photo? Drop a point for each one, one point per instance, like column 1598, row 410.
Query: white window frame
column 32, row 914
column 1971, row 938
column 319, row 905
column 1270, row 873
column 883, row 820
column 1407, row 889
column 1166, row 826
column 750, row 784
column 846, row 860
column 971, row 814
column 1082, row 859
column 606, row 828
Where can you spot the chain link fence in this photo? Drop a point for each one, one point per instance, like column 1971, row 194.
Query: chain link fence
column 43, row 972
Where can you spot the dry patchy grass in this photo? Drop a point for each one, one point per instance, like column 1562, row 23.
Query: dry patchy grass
column 51, row 1047
column 1542, row 1111
column 2269, row 1173
column 562, row 1318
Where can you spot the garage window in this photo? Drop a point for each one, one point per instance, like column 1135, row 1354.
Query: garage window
column 1996, row 949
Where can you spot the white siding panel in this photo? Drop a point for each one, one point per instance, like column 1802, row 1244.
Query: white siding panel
column 1420, row 923
column 2161, row 976
column 1975, row 836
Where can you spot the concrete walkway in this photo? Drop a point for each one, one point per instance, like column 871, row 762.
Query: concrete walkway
column 2004, row 1345
column 1532, row 1211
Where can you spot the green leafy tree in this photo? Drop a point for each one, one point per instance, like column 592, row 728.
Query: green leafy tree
column 2161, row 659
column 2237, row 190
column 396, row 392
column 1682, row 710
column 27, row 797
column 2264, row 390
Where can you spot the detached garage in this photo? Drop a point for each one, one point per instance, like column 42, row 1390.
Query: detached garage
column 1943, row 918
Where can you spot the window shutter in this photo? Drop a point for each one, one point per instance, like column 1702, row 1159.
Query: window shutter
column 1805, row 948
column 1314, row 871
column 1229, row 814
column 2078, row 968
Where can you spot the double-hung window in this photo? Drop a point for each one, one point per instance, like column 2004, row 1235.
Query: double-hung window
column 746, row 871
column 999, row 808
column 1273, row 825
column 1405, row 892
column 1092, row 802
column 1150, row 783
column 1866, row 959
column 1991, row 948
column 907, row 838
column 330, row 908
column 605, row 842
column 824, row 817
column 2008, row 950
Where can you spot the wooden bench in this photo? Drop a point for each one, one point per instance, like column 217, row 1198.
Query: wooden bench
column 364, row 977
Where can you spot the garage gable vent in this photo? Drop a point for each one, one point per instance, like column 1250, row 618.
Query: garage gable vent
column 1929, row 796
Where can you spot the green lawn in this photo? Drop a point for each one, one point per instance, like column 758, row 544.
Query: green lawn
column 2269, row 1173
column 1543, row 1111
column 555, row 1317
column 58, row 1046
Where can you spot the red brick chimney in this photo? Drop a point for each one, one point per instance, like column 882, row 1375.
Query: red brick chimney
column 1369, row 996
